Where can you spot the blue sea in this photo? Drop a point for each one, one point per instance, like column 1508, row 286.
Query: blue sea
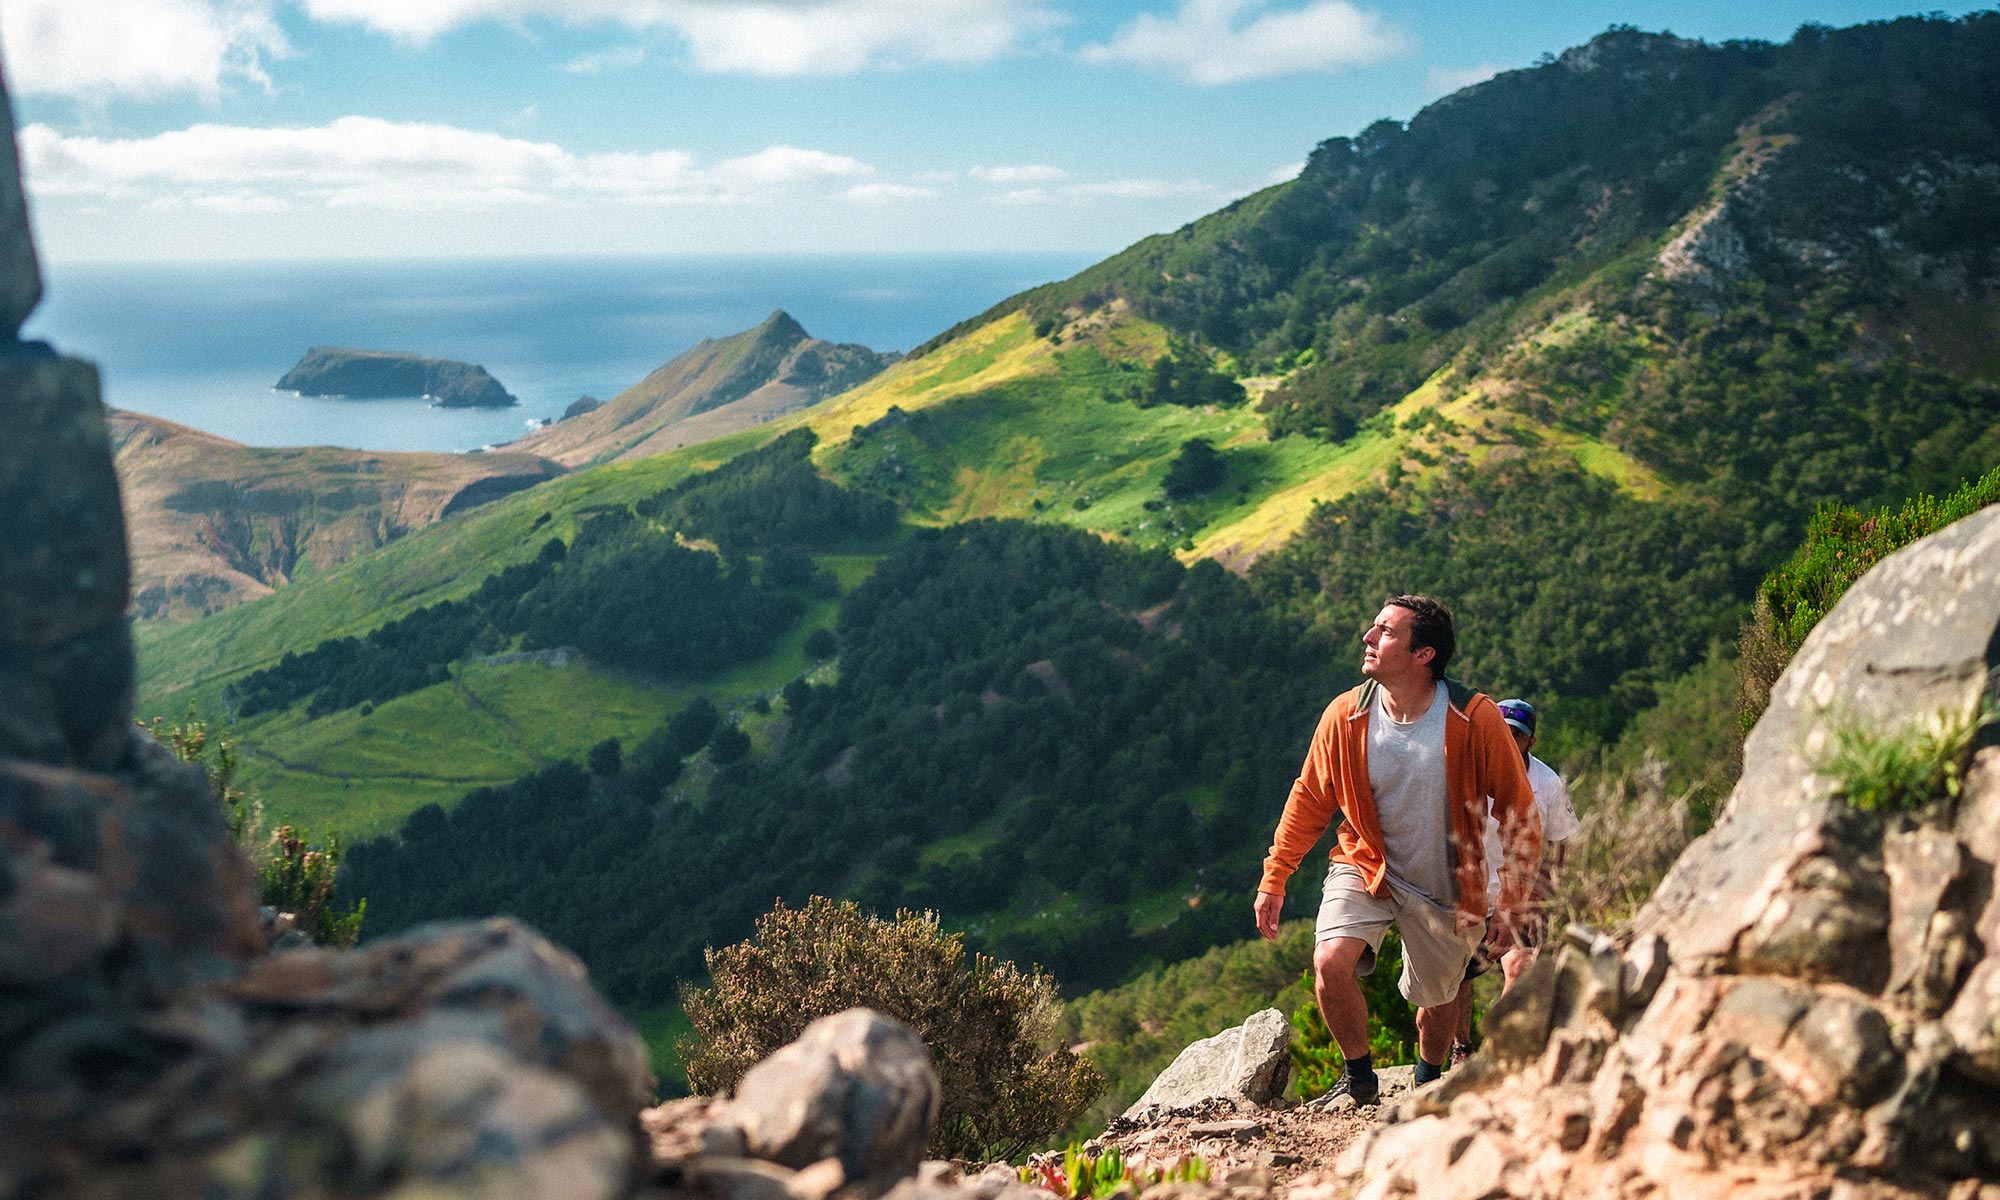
column 202, row 344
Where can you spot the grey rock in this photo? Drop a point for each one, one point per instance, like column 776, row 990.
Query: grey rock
column 1237, row 1131
column 739, row 1179
column 1517, row 1026
column 1645, row 968
column 1846, row 1044
column 65, row 652
column 1929, row 949
column 1249, row 1062
column 1759, row 1013
column 857, row 1086
column 451, row 1114
column 20, row 279
column 817, row 1181
column 1909, row 639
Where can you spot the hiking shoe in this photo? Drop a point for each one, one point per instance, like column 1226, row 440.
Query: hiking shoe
column 1460, row 1051
column 1346, row 1095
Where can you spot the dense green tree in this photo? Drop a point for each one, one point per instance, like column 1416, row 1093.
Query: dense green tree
column 1198, row 468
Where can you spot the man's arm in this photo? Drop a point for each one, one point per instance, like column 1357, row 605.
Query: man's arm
column 1308, row 811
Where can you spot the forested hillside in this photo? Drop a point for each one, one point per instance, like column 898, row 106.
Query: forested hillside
column 1073, row 747
column 1751, row 278
column 1580, row 349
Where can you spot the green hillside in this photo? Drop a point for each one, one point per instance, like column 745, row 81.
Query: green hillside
column 1580, row 349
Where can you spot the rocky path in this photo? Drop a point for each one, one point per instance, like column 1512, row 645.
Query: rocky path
column 1269, row 1150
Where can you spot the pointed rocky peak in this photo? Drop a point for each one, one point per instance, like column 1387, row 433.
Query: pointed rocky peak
column 781, row 329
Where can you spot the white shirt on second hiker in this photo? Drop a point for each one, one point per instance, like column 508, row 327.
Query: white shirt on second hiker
column 1559, row 822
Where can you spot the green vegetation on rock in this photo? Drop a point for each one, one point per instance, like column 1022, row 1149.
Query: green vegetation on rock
column 1841, row 544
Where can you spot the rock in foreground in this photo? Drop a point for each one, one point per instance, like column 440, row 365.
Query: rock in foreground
column 378, row 374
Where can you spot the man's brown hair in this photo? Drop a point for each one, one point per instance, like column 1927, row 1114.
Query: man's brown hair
column 1432, row 627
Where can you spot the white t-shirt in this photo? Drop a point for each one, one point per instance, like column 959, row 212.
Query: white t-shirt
column 1559, row 822
column 1406, row 773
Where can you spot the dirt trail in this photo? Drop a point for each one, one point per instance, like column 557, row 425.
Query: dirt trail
column 1245, row 1144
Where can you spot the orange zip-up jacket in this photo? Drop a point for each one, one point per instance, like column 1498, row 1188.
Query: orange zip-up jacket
column 1480, row 760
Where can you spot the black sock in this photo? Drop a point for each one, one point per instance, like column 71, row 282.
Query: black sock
column 1428, row 1071
column 1362, row 1069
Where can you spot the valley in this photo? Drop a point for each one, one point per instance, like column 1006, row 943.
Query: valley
column 1500, row 353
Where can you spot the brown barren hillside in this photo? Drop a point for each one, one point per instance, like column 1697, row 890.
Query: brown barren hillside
column 213, row 523
column 719, row 386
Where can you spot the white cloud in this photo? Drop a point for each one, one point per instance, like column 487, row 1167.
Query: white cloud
column 1442, row 81
column 1110, row 189
column 781, row 166
column 1229, row 41
column 618, row 58
column 1139, row 189
column 1015, row 176
column 138, row 48
column 1286, row 173
column 366, row 162
column 888, row 193
column 757, row 37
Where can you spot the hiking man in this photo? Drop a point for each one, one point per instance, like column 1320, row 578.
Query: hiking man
column 1559, row 824
column 1407, row 761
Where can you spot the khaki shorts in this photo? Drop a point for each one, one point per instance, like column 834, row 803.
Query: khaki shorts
column 1434, row 952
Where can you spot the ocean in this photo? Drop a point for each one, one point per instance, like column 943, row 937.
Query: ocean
column 202, row 344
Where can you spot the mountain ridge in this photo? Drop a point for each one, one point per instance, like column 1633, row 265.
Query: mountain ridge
column 718, row 386
column 213, row 523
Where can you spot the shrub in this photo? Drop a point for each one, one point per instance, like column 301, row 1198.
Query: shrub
column 1632, row 828
column 1841, row 544
column 297, row 878
column 1003, row 1083
column 212, row 749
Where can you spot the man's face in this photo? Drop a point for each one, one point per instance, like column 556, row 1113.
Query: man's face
column 1522, row 739
column 1387, row 655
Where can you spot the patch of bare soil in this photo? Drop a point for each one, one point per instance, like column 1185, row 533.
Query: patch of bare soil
column 1268, row 1151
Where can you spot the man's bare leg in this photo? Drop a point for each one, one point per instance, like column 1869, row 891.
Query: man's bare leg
column 1435, row 1025
column 1341, row 1004
column 1462, row 1010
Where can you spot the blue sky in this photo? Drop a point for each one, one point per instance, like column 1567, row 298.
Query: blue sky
column 204, row 129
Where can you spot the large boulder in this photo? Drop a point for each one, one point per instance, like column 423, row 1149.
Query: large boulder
column 20, row 279
column 856, row 1086
column 1251, row 1062
column 847, row 1107
column 1810, row 1003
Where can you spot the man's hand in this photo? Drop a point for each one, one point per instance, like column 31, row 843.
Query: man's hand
column 1501, row 935
column 1269, row 905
